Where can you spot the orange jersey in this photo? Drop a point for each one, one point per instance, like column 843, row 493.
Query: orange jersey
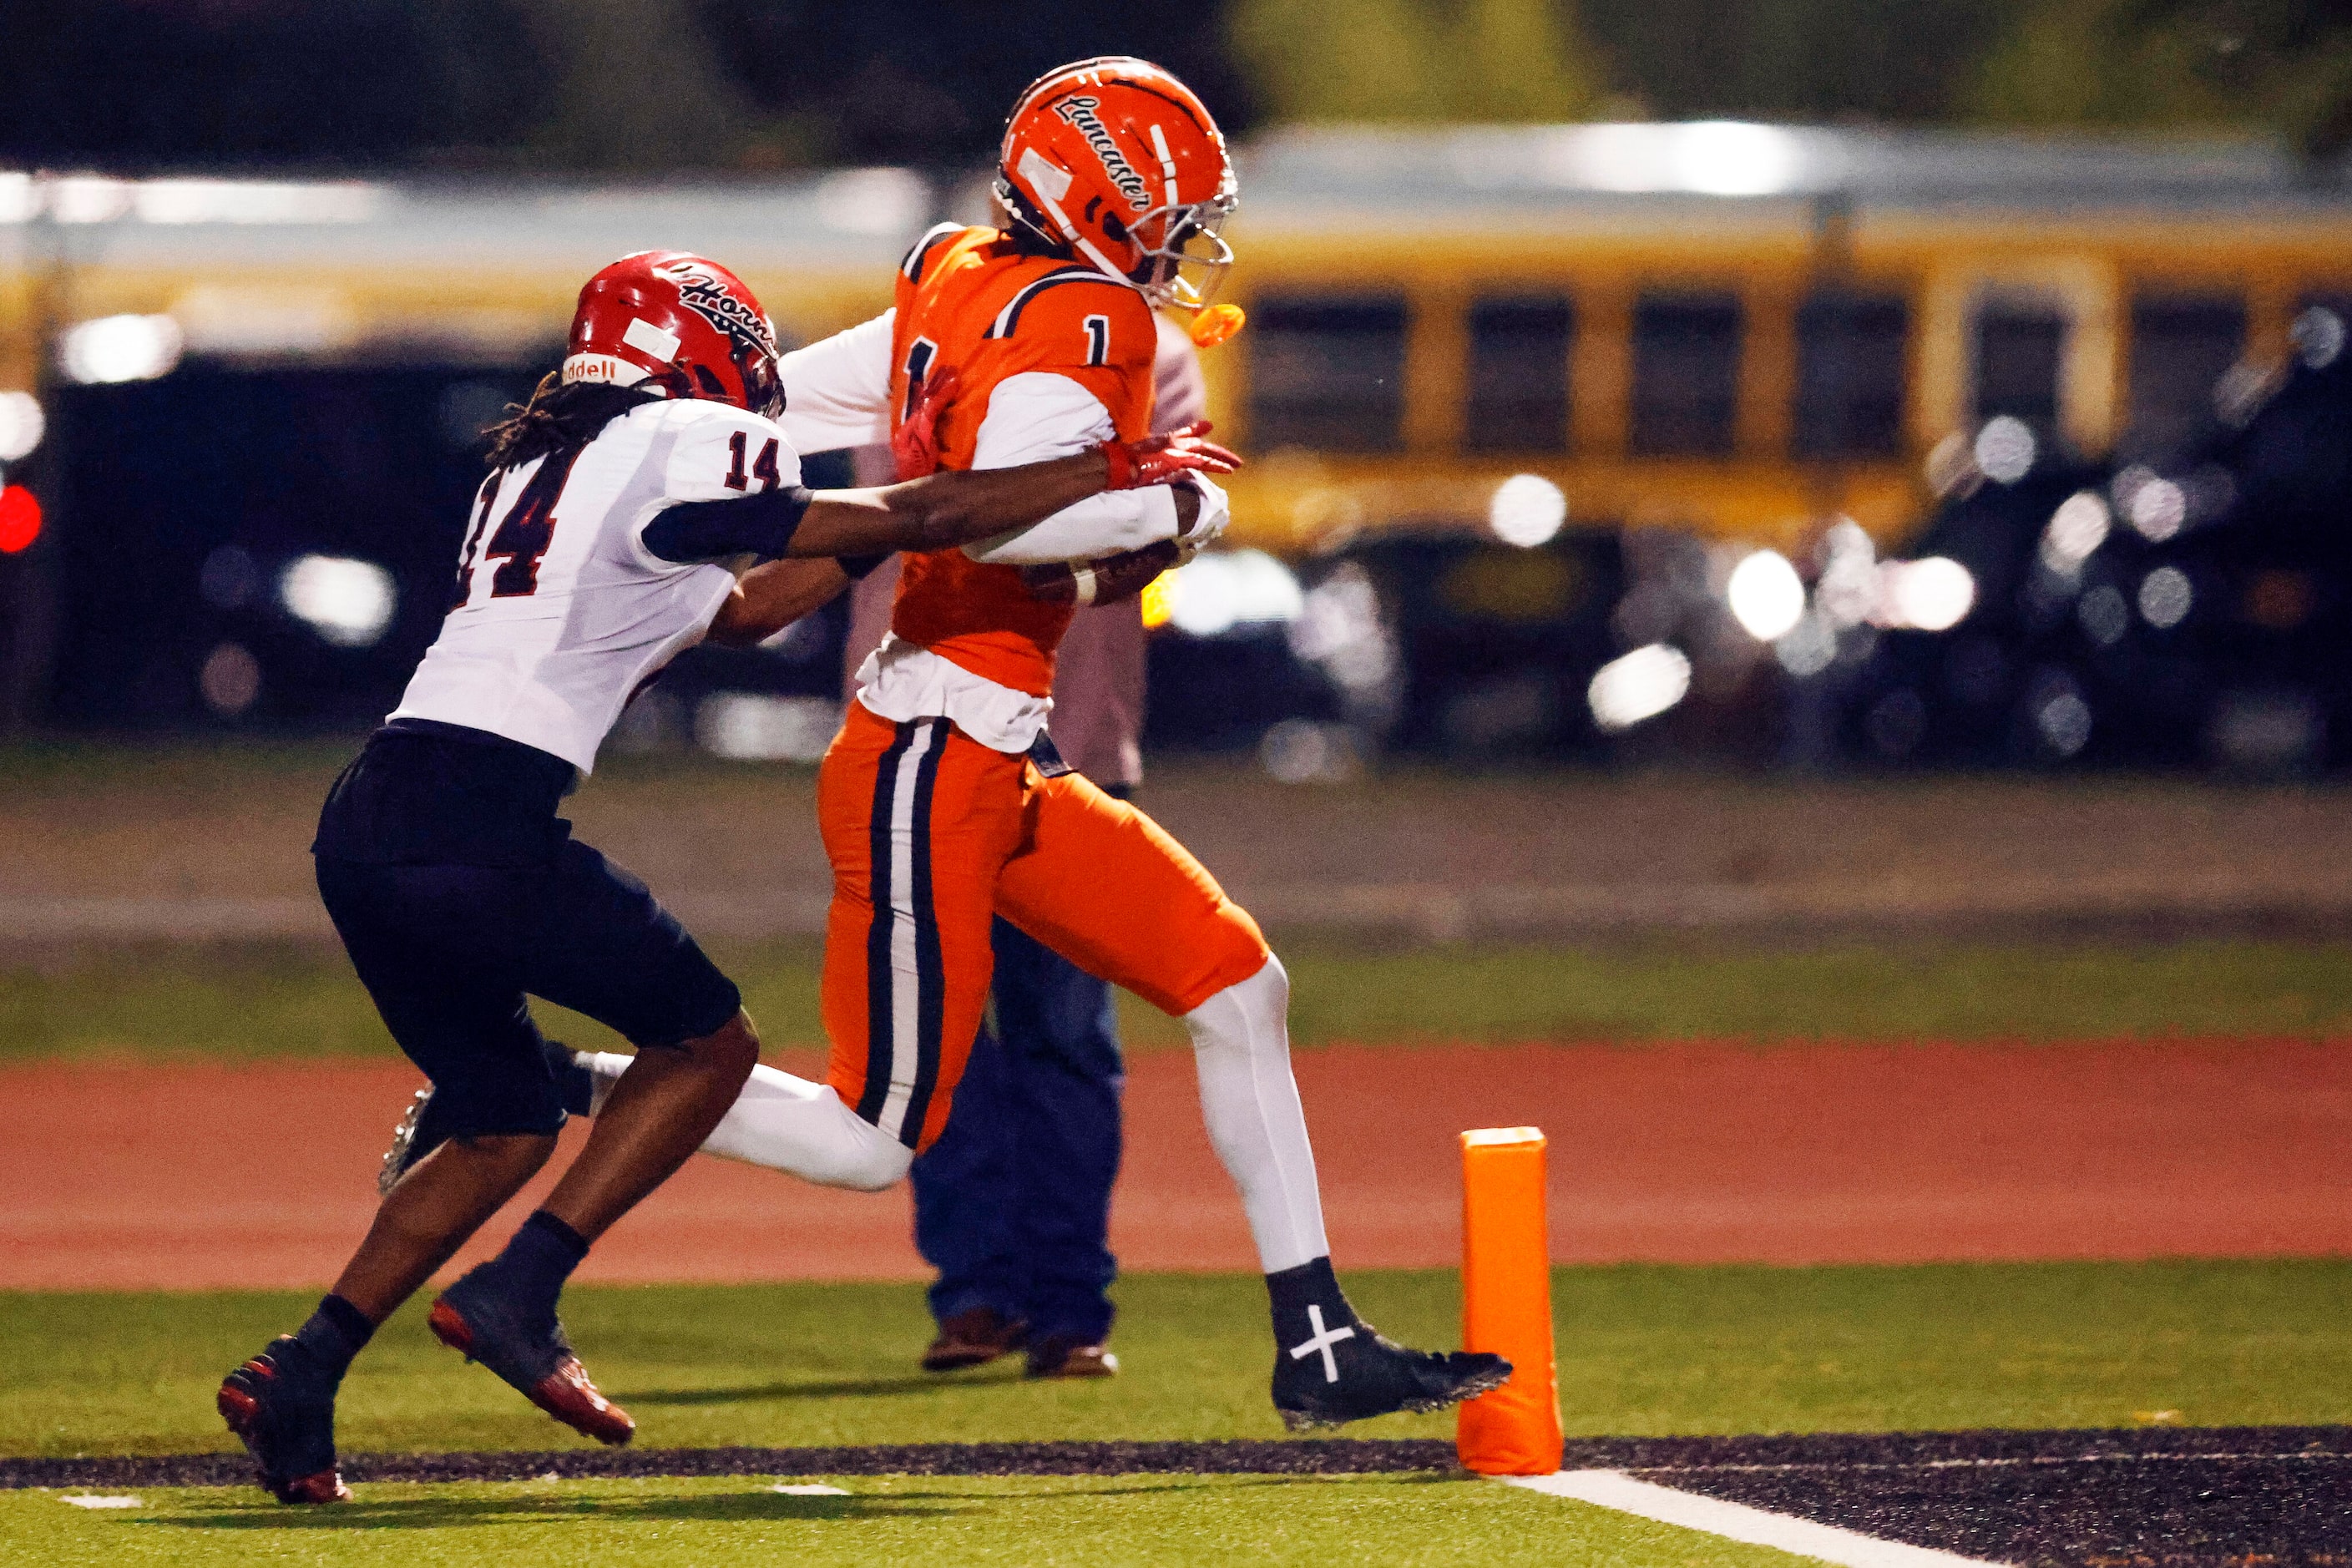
column 969, row 299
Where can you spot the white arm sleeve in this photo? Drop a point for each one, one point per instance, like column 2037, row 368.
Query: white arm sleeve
column 837, row 390
column 1038, row 415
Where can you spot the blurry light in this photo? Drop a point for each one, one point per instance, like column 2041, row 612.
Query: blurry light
column 1300, row 751
column 1640, row 685
column 1527, row 511
column 88, row 198
column 1951, row 466
column 1230, row 588
column 20, row 520
column 1847, row 590
column 1809, row 649
column 2243, row 390
column 224, row 318
column 121, row 348
column 2103, row 615
column 1726, row 158
column 2267, row 731
column 2158, row 508
column 2063, row 718
column 2078, row 527
column 1765, row 594
column 749, row 728
column 2165, row 596
column 230, row 680
column 22, row 425
column 1717, row 157
column 872, row 201
column 19, row 198
column 2005, row 449
column 1339, row 629
column 2319, row 337
column 347, row 603
column 1931, row 596
column 255, row 201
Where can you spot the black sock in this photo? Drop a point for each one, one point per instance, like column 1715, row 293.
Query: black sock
column 541, row 1256
column 335, row 1333
column 1311, row 1284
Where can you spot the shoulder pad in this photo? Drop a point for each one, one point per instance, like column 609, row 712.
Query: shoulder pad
column 911, row 268
column 1008, row 319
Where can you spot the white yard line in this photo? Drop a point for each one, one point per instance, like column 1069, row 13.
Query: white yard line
column 1737, row 1522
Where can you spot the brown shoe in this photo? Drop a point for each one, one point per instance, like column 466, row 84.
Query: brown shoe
column 975, row 1337
column 1065, row 1355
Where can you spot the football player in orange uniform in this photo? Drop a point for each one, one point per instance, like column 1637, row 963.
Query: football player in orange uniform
column 942, row 802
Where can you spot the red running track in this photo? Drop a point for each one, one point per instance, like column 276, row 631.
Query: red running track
column 196, row 1176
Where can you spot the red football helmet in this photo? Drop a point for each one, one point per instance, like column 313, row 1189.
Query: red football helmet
column 1117, row 159
column 675, row 322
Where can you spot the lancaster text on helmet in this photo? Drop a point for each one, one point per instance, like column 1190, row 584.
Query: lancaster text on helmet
column 1079, row 111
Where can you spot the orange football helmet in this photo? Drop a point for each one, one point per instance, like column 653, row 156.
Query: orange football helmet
column 1117, row 159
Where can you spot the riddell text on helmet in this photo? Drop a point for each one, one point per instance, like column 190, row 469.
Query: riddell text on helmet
column 1078, row 112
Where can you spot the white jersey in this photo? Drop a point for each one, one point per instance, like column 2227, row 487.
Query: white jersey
column 562, row 612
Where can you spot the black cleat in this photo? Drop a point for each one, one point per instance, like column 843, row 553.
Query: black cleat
column 1330, row 1366
column 282, row 1408
column 418, row 1134
column 480, row 1321
column 422, row 1130
column 1366, row 1374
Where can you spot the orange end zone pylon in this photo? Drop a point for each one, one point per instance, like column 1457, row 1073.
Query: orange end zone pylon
column 1506, row 1304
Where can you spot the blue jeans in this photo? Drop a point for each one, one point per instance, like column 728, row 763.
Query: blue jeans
column 1012, row 1202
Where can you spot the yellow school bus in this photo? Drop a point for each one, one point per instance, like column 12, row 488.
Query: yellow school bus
column 1743, row 331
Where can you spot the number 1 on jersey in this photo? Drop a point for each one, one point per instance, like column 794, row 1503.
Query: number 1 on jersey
column 1097, row 340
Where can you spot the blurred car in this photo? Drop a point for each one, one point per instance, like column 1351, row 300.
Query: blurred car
column 2187, row 610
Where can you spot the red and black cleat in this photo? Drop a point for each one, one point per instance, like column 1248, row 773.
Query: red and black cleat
column 474, row 1320
column 284, row 1416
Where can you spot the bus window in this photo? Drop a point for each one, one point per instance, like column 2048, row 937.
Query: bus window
column 1850, row 351
column 1327, row 372
column 1685, row 373
column 2019, row 347
column 1518, row 374
column 2180, row 346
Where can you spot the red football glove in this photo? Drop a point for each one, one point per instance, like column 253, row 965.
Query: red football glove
column 915, row 444
column 1156, row 459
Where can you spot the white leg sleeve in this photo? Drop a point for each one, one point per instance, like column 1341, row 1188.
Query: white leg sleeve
column 1240, row 1042
column 788, row 1123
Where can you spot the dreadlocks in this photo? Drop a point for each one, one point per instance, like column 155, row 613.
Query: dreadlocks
column 558, row 415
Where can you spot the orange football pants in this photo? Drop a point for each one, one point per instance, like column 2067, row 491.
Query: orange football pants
column 930, row 834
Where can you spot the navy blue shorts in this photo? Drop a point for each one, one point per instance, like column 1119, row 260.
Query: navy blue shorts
column 449, row 951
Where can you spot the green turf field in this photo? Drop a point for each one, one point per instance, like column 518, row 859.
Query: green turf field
column 269, row 1001
column 1155, row 1519
column 1643, row 1351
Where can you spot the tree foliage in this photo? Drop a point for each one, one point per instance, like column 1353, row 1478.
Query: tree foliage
column 2279, row 65
column 1403, row 60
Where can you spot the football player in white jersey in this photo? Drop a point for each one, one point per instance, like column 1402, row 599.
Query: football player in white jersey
column 622, row 504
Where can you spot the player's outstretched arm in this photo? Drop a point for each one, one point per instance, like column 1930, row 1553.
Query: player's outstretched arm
column 769, row 598
column 943, row 510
